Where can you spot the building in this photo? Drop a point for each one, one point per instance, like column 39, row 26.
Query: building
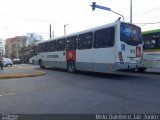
column 32, row 38
column 2, row 48
column 13, row 46
column 8, row 48
column 20, row 46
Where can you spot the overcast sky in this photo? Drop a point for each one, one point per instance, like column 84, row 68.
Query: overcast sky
column 21, row 16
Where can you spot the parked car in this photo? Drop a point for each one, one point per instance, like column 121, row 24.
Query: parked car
column 7, row 61
column 16, row 61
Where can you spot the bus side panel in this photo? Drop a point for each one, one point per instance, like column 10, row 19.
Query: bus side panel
column 54, row 59
column 84, row 60
column 151, row 59
column 62, row 59
column 51, row 59
column 37, row 58
column 43, row 57
column 104, row 59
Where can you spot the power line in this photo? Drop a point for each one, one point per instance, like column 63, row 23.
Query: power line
column 152, row 10
column 29, row 19
column 147, row 23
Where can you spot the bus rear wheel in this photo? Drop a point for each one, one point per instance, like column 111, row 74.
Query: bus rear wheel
column 71, row 67
column 41, row 65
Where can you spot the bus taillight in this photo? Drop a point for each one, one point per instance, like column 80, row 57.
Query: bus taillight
column 120, row 56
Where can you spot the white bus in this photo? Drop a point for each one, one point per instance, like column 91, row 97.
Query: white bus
column 151, row 55
column 107, row 48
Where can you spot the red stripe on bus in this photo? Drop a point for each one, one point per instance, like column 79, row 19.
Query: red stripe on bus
column 71, row 55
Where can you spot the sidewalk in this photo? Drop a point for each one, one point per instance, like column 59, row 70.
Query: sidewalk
column 20, row 71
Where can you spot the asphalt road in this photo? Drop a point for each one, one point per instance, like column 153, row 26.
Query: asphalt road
column 62, row 92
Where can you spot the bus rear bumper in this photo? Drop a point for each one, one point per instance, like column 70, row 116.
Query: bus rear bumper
column 125, row 66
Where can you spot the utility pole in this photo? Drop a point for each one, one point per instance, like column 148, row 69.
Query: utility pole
column 50, row 31
column 130, row 11
column 53, row 34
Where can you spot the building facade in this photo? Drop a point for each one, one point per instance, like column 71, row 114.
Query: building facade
column 20, row 46
column 13, row 45
column 2, row 48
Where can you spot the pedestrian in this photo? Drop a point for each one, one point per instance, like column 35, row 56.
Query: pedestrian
column 1, row 63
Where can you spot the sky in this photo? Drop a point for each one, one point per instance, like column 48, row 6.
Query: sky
column 19, row 17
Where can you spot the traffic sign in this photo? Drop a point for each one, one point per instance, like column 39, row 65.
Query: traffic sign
column 94, row 6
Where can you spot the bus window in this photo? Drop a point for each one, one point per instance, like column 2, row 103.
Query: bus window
column 85, row 40
column 104, row 38
column 71, row 43
column 61, row 44
column 45, row 47
column 35, row 50
column 151, row 41
column 40, row 46
column 52, row 46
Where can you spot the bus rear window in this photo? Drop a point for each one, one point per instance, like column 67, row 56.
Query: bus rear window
column 130, row 34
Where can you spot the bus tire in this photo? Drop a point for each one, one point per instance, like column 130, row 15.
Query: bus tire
column 142, row 69
column 71, row 67
column 41, row 65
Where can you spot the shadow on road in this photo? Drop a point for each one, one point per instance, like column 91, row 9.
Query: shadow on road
column 115, row 75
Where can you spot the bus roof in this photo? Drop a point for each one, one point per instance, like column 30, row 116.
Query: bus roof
column 87, row 30
column 151, row 31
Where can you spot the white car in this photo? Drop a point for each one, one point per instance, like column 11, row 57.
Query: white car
column 7, row 61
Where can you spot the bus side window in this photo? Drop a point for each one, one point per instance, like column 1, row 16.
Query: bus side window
column 157, row 42
column 52, row 46
column 104, row 38
column 61, row 44
column 40, row 48
column 45, row 47
column 35, row 50
column 71, row 43
column 85, row 40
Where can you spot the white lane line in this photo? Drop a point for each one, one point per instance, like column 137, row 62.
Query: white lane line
column 7, row 94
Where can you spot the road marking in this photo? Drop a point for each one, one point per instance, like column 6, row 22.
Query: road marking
column 7, row 94
column 14, row 93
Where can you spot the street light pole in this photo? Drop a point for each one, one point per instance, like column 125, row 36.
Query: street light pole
column 65, row 28
column 118, row 14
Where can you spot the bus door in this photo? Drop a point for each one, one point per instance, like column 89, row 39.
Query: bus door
column 60, row 55
column 104, row 50
column 84, row 57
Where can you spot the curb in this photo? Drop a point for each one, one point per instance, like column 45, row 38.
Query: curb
column 22, row 75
